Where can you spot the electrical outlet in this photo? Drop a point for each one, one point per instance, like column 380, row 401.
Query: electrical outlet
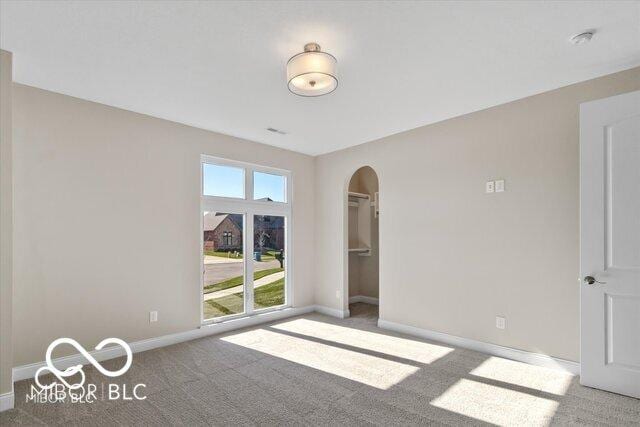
column 338, row 294
column 153, row 316
column 501, row 322
column 499, row 186
column 489, row 187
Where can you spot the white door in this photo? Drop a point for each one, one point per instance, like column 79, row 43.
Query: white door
column 610, row 244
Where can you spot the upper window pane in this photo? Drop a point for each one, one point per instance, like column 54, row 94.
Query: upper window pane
column 223, row 181
column 269, row 187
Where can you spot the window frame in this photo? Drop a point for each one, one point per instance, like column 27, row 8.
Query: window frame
column 249, row 208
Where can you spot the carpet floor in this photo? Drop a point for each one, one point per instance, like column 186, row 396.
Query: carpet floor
column 317, row 370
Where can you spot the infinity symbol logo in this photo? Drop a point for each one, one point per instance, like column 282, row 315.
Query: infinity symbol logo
column 61, row 375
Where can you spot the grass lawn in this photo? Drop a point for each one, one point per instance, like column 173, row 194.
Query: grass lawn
column 269, row 256
column 237, row 281
column 265, row 296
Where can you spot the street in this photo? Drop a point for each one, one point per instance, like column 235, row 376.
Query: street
column 221, row 269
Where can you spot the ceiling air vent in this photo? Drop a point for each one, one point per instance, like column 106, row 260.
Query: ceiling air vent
column 276, row 131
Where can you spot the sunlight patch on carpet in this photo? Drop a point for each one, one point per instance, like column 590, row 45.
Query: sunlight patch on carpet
column 405, row 348
column 525, row 375
column 497, row 405
column 363, row 368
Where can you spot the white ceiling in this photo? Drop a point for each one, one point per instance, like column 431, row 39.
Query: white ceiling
column 221, row 65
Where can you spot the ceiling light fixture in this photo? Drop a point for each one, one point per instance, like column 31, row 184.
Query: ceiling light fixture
column 312, row 72
column 582, row 37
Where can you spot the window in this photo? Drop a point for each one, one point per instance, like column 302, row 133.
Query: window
column 245, row 239
column 269, row 187
column 269, row 248
column 222, row 181
column 223, row 272
column 227, row 238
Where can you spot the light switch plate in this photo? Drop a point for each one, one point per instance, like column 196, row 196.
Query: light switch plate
column 501, row 322
column 153, row 316
column 489, row 187
column 499, row 186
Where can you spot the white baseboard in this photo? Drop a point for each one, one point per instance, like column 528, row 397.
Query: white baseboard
column 6, row 401
column 28, row 371
column 363, row 298
column 333, row 312
column 537, row 359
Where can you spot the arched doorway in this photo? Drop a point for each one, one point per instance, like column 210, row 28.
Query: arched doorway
column 362, row 264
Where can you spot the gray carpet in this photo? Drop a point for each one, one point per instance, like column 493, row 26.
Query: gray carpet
column 316, row 370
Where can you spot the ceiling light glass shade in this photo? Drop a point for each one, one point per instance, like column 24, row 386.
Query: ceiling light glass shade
column 312, row 72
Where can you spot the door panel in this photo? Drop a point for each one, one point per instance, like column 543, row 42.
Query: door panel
column 623, row 192
column 610, row 244
column 622, row 349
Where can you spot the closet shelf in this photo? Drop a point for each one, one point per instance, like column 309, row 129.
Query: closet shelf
column 359, row 223
column 359, row 250
column 359, row 195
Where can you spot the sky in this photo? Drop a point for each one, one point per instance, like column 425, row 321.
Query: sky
column 227, row 181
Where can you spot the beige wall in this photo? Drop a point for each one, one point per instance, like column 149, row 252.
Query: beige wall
column 6, row 224
column 453, row 257
column 106, row 210
column 363, row 270
column 107, row 221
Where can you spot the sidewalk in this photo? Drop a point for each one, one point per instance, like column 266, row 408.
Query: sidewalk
column 210, row 259
column 256, row 284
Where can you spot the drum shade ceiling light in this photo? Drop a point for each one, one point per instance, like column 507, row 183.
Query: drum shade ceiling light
column 312, row 72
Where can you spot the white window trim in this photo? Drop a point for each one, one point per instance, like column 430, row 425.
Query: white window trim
column 248, row 208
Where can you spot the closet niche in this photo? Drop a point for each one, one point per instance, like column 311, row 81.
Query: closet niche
column 363, row 234
column 359, row 223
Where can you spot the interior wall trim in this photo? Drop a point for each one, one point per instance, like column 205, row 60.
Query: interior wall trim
column 537, row 359
column 6, row 401
column 333, row 312
column 28, row 371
